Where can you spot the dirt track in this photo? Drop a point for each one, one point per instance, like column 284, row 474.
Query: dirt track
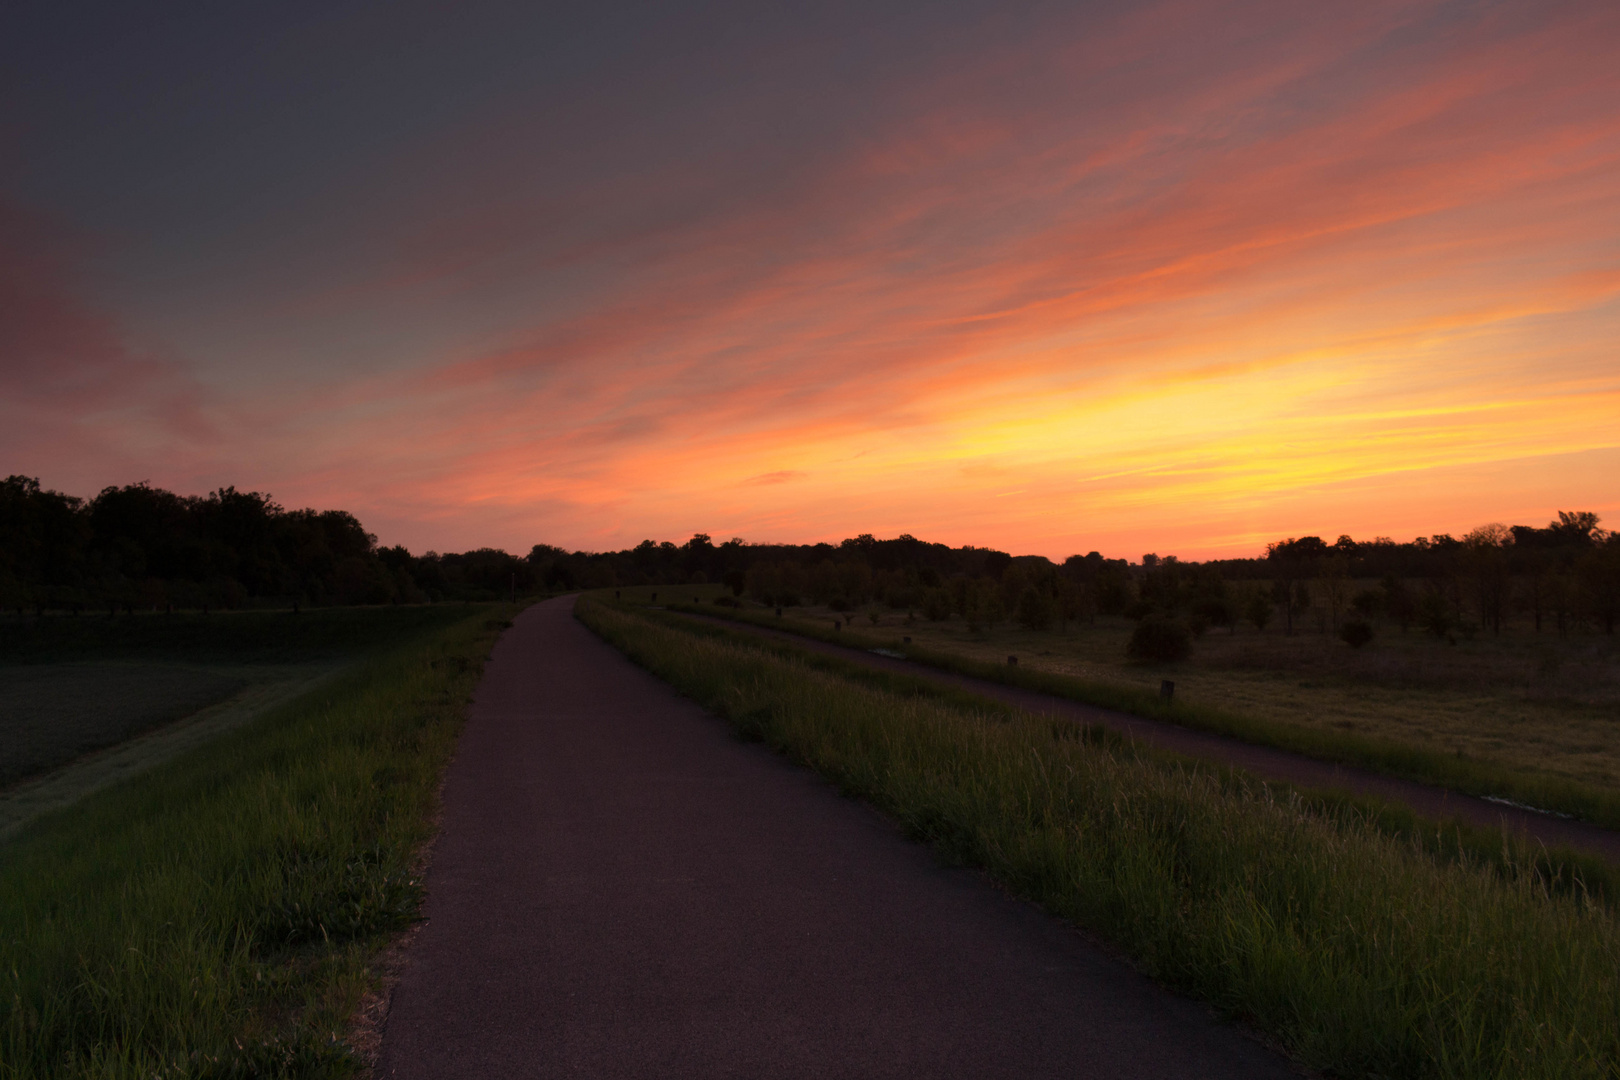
column 1435, row 803
column 621, row 889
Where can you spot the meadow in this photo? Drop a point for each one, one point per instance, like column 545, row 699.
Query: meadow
column 218, row 915
column 72, row 685
column 1532, row 717
column 52, row 713
column 1363, row 951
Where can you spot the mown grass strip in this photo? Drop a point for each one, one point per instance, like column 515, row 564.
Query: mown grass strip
column 1470, row 776
column 1359, row 951
column 214, row 917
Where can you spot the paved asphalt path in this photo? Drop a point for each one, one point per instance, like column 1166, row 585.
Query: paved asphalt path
column 1435, row 803
column 621, row 889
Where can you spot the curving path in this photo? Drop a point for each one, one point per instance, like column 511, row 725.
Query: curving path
column 621, row 889
column 1270, row 763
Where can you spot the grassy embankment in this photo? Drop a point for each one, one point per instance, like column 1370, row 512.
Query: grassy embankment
column 1363, row 953
column 71, row 685
column 214, row 917
column 1556, row 755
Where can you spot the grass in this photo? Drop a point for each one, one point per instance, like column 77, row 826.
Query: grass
column 1257, row 704
column 69, row 686
column 215, row 916
column 1362, row 952
column 273, row 637
column 52, row 713
column 1562, row 868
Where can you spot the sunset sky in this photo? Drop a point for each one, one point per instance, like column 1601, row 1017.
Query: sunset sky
column 1049, row 278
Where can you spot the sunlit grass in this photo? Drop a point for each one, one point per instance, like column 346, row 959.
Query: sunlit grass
column 1363, row 952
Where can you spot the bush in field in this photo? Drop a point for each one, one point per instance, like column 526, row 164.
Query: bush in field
column 1433, row 614
column 1356, row 632
column 1217, row 611
column 1259, row 609
column 1159, row 640
column 1035, row 609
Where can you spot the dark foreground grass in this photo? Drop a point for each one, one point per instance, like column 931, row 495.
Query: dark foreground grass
column 1470, row 776
column 214, row 917
column 1361, row 952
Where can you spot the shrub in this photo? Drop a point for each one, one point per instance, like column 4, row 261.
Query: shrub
column 1215, row 611
column 1259, row 609
column 1035, row 609
column 1356, row 632
column 1433, row 615
column 1159, row 640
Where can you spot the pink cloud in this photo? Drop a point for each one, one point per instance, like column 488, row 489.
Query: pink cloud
column 73, row 393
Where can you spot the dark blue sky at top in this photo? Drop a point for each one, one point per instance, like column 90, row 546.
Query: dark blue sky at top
column 211, row 153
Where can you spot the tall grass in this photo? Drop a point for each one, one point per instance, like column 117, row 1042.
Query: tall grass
column 1359, row 951
column 214, row 917
column 1471, row 776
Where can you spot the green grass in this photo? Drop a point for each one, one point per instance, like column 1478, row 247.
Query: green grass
column 1562, row 869
column 215, row 916
column 52, row 713
column 224, row 636
column 1469, row 775
column 1362, row 952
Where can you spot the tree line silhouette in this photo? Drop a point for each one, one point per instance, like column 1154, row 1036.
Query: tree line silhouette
column 141, row 547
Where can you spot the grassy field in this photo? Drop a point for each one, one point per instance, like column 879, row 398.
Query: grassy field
column 215, row 916
column 69, row 686
column 263, row 637
column 52, row 713
column 1366, row 954
column 1488, row 716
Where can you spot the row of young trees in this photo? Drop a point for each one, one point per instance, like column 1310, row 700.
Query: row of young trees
column 141, row 546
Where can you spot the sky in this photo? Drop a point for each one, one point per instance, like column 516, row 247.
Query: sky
column 1175, row 277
